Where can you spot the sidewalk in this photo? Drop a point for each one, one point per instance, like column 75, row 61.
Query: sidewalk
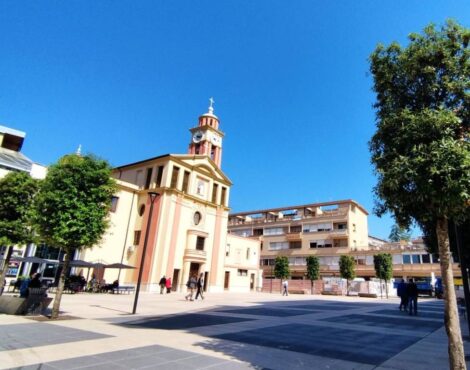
column 228, row 331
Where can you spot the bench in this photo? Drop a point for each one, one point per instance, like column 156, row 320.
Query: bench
column 123, row 289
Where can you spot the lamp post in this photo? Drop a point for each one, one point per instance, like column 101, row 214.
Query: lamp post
column 152, row 196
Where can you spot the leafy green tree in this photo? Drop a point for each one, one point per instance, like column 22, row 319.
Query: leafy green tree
column 347, row 269
column 398, row 234
column 421, row 149
column 383, row 266
column 281, row 267
column 313, row 269
column 17, row 191
column 72, row 207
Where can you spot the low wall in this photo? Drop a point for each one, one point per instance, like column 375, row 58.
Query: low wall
column 12, row 305
column 295, row 286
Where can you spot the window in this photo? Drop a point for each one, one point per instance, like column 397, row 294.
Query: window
column 257, row 232
column 273, row 231
column 296, row 229
column 197, row 218
column 242, row 272
column 321, row 244
column 426, row 258
column 174, row 177
column 276, row 246
column 114, row 203
column 406, row 259
column 214, row 193
column 311, row 228
column 137, row 237
column 227, row 250
column 223, row 201
column 141, row 210
column 186, row 182
column 354, row 227
column 248, row 253
column 148, row 179
column 159, row 176
column 415, row 259
column 295, row 245
column 261, row 246
column 342, row 226
column 200, row 243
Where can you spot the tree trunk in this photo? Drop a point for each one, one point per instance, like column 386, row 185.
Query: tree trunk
column 451, row 318
column 311, row 290
column 386, row 288
column 60, row 287
column 3, row 273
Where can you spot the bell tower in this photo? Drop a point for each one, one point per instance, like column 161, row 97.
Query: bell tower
column 206, row 138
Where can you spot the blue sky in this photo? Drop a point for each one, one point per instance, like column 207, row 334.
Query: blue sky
column 127, row 79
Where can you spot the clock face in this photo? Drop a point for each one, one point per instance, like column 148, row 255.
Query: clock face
column 197, row 136
column 215, row 139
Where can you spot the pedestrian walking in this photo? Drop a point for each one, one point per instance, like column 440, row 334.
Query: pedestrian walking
column 162, row 284
column 403, row 294
column 285, row 286
column 191, row 284
column 200, row 286
column 168, row 285
column 412, row 291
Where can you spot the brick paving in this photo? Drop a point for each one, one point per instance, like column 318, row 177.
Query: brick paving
column 228, row 331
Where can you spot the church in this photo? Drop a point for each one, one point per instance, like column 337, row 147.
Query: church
column 172, row 211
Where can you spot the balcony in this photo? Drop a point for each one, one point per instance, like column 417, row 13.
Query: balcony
column 270, row 218
column 339, row 233
column 195, row 255
column 293, row 237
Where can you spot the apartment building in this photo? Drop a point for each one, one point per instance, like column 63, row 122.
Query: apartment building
column 327, row 230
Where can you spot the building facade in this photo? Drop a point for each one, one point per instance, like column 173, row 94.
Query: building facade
column 328, row 230
column 186, row 232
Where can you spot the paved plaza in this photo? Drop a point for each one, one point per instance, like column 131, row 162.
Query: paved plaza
column 227, row 331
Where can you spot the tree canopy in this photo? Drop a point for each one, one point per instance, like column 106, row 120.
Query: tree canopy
column 17, row 192
column 421, row 148
column 383, row 266
column 398, row 234
column 347, row 267
column 74, row 202
column 313, row 268
column 72, row 207
column 281, row 267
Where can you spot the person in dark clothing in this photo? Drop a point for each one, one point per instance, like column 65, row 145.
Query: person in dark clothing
column 162, row 284
column 200, row 286
column 35, row 281
column 402, row 293
column 412, row 291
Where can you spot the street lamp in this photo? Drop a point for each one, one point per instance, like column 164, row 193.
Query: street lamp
column 152, row 196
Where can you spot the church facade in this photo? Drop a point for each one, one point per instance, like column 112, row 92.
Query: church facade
column 177, row 206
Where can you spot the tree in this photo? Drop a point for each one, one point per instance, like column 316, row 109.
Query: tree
column 72, row 207
column 17, row 191
column 421, row 148
column 383, row 268
column 398, row 234
column 313, row 269
column 281, row 267
column 347, row 269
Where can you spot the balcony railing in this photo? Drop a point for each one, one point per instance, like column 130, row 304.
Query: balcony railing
column 270, row 219
column 195, row 254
